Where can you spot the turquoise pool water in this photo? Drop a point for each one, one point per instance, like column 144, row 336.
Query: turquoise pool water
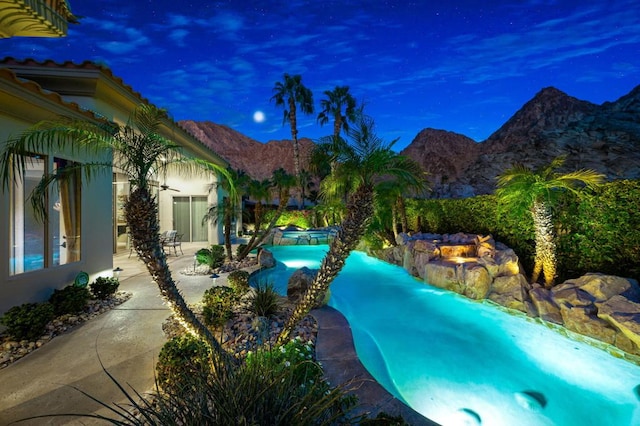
column 460, row 362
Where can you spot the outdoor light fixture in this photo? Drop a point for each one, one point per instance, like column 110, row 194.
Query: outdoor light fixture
column 116, row 272
column 195, row 261
column 214, row 277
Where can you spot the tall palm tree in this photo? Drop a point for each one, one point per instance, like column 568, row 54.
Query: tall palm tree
column 362, row 163
column 259, row 191
column 524, row 190
column 140, row 152
column 290, row 94
column 332, row 108
column 281, row 182
column 228, row 211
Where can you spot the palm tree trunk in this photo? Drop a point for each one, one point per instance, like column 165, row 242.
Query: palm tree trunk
column 142, row 216
column 228, row 209
column 545, row 256
column 251, row 244
column 284, row 199
column 359, row 213
column 402, row 212
column 293, row 121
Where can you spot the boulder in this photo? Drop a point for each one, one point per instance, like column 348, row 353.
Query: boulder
column 602, row 287
column 445, row 275
column 624, row 315
column 573, row 296
column 547, row 309
column 510, row 291
column 298, row 284
column 581, row 320
column 626, row 344
column 477, row 281
column 266, row 259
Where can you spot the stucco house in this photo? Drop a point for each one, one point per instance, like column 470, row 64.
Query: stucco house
column 37, row 257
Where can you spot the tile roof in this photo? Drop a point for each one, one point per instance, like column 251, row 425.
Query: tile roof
column 8, row 75
column 88, row 65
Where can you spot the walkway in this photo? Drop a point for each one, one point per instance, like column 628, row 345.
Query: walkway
column 127, row 341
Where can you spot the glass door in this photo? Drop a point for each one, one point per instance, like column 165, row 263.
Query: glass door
column 188, row 212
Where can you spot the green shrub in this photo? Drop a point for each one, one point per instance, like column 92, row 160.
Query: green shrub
column 239, row 281
column 27, row 321
column 212, row 257
column 300, row 218
column 182, row 360
column 218, row 303
column 103, row 287
column 296, row 355
column 265, row 301
column 70, row 300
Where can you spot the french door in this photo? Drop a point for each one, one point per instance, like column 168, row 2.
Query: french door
column 188, row 212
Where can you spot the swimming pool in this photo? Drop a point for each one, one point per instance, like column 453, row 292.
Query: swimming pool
column 460, row 362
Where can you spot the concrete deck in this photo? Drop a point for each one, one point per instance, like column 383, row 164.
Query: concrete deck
column 127, row 340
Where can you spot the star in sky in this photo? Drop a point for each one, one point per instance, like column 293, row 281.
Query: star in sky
column 464, row 66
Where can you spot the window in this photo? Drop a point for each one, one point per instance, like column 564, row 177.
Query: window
column 65, row 218
column 29, row 235
column 27, row 232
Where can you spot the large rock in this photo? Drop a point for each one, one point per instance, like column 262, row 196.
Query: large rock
column 503, row 263
column 602, row 287
column 266, row 259
column 581, row 320
column 545, row 305
column 477, row 281
column 510, row 291
column 299, row 282
column 572, row 296
column 624, row 315
column 449, row 276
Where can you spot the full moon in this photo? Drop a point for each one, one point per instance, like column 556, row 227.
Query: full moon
column 258, row 116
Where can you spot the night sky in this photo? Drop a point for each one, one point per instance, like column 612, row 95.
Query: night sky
column 463, row 66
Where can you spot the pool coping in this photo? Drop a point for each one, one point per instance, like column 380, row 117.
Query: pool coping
column 336, row 352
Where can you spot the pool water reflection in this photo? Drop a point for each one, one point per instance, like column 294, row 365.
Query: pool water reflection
column 462, row 362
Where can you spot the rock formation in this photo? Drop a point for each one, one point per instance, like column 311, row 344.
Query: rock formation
column 602, row 307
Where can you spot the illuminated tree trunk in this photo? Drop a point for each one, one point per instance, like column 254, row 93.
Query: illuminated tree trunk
column 142, row 216
column 545, row 256
column 359, row 213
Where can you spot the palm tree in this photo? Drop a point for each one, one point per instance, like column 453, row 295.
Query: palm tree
column 522, row 190
column 362, row 163
column 259, row 191
column 289, row 94
column 281, row 182
column 228, row 210
column 332, row 107
column 140, row 152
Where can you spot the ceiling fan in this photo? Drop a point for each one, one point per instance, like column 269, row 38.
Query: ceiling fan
column 165, row 187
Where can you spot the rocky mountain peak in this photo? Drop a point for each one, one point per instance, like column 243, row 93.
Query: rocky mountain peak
column 257, row 159
column 549, row 109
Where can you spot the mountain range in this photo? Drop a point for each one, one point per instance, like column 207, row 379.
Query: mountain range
column 603, row 137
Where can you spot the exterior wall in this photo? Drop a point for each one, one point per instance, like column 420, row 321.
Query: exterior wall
column 24, row 103
column 96, row 257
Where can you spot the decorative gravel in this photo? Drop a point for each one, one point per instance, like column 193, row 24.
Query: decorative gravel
column 12, row 350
